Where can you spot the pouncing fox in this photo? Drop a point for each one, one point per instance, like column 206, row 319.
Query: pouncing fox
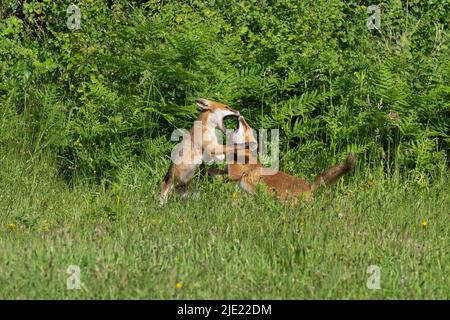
column 200, row 144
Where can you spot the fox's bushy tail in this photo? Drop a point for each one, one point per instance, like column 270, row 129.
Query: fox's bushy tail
column 331, row 175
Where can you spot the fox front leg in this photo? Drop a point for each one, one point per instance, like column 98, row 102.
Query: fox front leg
column 221, row 150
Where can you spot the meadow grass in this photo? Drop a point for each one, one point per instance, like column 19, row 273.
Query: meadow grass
column 224, row 244
column 78, row 107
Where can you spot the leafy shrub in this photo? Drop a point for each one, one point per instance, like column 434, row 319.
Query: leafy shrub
column 95, row 97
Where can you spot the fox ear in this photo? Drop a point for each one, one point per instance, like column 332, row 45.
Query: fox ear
column 203, row 104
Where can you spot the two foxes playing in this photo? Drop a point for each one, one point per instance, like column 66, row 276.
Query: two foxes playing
column 193, row 150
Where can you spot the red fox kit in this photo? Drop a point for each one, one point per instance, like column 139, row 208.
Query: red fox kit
column 200, row 144
column 284, row 186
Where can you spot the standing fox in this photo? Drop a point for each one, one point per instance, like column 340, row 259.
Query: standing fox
column 284, row 186
column 201, row 144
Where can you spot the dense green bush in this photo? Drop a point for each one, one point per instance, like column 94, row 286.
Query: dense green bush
column 96, row 96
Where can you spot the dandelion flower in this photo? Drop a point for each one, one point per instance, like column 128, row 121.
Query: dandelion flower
column 424, row 223
column 234, row 195
column 178, row 285
column 11, row 226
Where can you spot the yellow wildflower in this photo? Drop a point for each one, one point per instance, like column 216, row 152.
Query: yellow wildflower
column 178, row 285
column 370, row 184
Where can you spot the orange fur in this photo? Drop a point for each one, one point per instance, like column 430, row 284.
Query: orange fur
column 284, row 186
column 192, row 151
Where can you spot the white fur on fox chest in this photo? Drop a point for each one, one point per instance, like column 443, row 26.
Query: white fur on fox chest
column 187, row 153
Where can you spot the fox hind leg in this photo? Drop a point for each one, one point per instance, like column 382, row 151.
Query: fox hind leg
column 166, row 186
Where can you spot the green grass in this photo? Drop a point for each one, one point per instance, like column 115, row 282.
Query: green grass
column 216, row 246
